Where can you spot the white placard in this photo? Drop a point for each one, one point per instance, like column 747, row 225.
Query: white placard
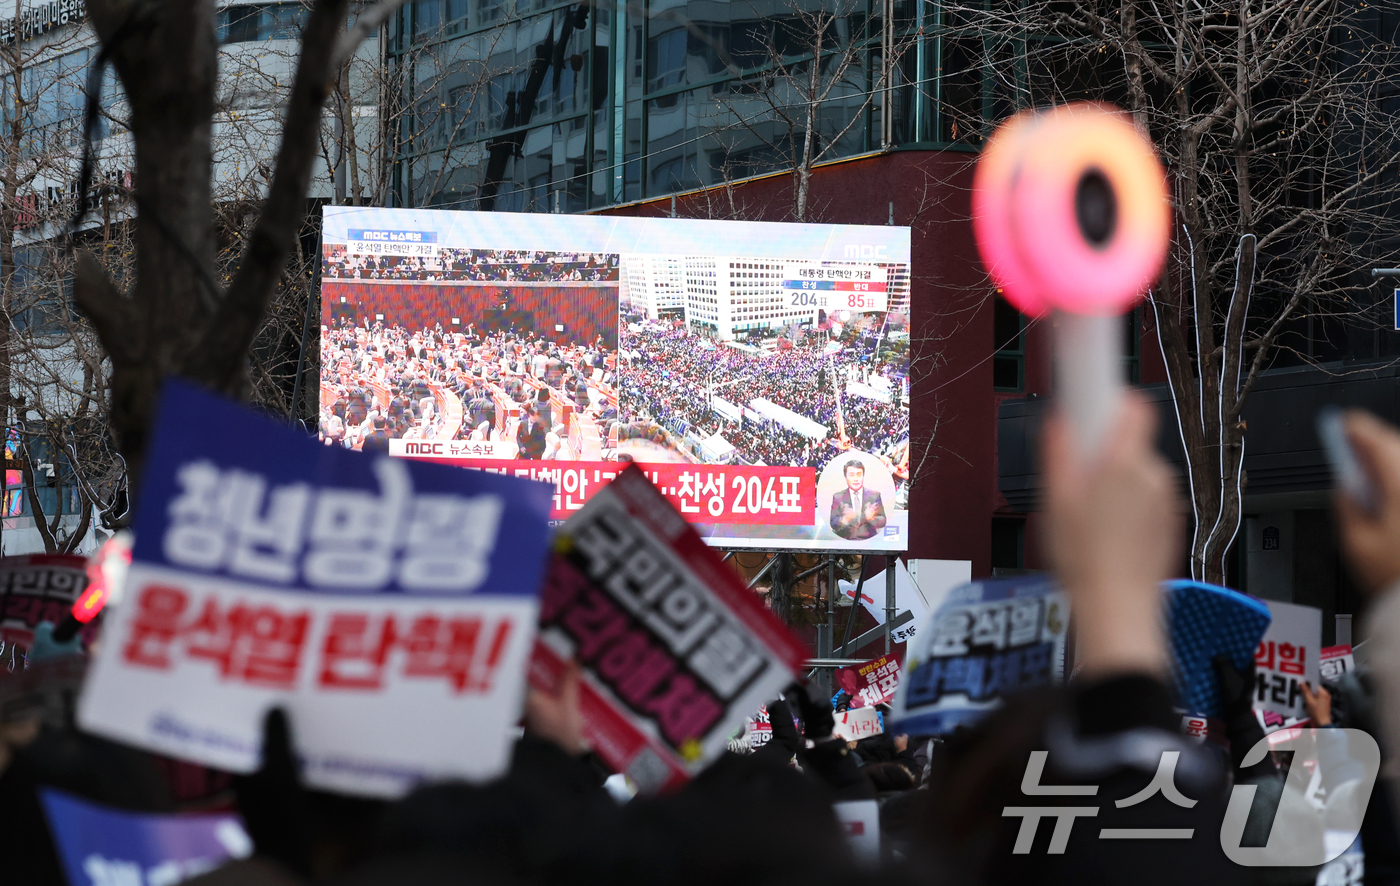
column 858, row 723
column 1286, row 657
column 388, row 606
column 860, row 819
column 1336, row 662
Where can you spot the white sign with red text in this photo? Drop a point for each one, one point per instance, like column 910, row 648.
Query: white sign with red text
column 860, row 820
column 1336, row 661
column 1287, row 656
column 758, row 729
column 1195, row 726
column 36, row 588
column 387, row 606
column 858, row 723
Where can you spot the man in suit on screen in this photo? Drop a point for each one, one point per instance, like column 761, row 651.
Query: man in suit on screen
column 856, row 512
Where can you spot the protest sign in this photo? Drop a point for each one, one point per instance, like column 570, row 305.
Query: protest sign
column 1286, row 657
column 100, row 846
column 860, row 820
column 758, row 729
column 857, row 723
column 387, row 605
column 676, row 653
column 872, row 683
column 1336, row 661
column 988, row 639
column 1195, row 726
column 35, row 588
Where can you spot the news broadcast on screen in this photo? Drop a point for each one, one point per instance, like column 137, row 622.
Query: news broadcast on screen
column 758, row 372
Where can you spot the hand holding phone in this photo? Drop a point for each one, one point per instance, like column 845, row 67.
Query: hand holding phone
column 1351, row 476
column 1368, row 513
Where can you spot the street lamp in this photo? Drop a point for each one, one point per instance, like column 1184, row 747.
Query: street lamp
column 1395, row 305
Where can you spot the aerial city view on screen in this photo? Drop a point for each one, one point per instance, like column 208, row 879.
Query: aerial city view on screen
column 737, row 353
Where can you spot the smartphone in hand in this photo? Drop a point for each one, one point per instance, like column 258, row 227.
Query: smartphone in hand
column 1350, row 475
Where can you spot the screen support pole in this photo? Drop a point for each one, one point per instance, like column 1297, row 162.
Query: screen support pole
column 891, row 563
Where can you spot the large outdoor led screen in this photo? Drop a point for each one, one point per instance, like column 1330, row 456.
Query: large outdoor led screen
column 759, row 372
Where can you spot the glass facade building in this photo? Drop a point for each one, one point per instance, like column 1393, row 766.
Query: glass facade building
column 525, row 105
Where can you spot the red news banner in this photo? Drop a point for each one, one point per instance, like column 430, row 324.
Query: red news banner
column 675, row 652
column 701, row 493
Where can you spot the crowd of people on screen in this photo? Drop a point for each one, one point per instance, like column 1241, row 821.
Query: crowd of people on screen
column 474, row 265
column 383, row 382
column 674, row 372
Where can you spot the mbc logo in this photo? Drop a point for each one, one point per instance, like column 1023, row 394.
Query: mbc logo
column 1318, row 817
column 866, row 251
column 411, row 448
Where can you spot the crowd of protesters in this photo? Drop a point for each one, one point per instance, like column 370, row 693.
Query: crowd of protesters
column 383, row 382
column 951, row 811
column 673, row 373
column 474, row 265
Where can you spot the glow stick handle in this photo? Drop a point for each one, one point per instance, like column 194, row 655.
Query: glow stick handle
column 1089, row 367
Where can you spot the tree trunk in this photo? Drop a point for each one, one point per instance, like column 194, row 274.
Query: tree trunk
column 1208, row 403
column 47, row 530
column 178, row 320
column 802, row 178
column 167, row 58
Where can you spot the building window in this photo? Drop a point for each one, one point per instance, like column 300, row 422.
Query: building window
column 666, row 60
column 427, row 17
column 1009, row 361
column 271, row 21
column 1008, row 543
